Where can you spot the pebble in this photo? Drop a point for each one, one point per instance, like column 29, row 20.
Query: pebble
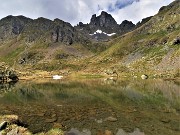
column 144, row 77
column 99, row 121
column 107, row 132
column 111, row 119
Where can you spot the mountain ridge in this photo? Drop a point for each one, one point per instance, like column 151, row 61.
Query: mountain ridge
column 42, row 43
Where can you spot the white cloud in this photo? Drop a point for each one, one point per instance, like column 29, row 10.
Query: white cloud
column 139, row 10
column 74, row 11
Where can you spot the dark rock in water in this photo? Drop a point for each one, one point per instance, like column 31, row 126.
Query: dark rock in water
column 77, row 132
column 3, row 125
column 1, row 76
column 13, row 77
column 176, row 41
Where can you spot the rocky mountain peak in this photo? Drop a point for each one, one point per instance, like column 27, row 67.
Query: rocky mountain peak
column 106, row 24
column 104, row 21
column 127, row 24
column 11, row 26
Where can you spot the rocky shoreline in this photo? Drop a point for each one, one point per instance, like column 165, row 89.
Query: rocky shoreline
column 11, row 125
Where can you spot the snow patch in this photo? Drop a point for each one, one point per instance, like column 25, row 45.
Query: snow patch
column 100, row 32
column 111, row 34
column 57, row 77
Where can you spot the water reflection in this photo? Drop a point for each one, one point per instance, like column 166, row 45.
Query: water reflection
column 153, row 106
column 74, row 131
column 4, row 87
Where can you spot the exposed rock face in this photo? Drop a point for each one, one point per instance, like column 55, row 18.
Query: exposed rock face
column 12, row 26
column 139, row 24
column 33, row 30
column 107, row 24
column 60, row 31
column 126, row 26
column 103, row 22
column 56, row 31
column 63, row 32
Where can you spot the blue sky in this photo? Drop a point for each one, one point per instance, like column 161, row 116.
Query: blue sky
column 119, row 4
column 74, row 11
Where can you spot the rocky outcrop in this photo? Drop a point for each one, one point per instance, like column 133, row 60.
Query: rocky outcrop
column 11, row 125
column 7, row 74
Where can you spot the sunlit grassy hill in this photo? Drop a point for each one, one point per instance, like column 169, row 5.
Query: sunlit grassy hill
column 151, row 48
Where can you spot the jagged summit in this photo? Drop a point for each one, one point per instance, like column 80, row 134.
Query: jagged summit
column 107, row 25
column 104, row 21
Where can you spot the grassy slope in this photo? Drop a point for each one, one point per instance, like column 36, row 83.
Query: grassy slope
column 145, row 49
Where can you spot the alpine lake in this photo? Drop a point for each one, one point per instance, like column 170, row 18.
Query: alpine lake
column 89, row 106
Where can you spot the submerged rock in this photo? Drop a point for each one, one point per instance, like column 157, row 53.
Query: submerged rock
column 13, row 77
column 135, row 132
column 176, row 41
column 74, row 131
column 10, row 125
column 3, row 125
